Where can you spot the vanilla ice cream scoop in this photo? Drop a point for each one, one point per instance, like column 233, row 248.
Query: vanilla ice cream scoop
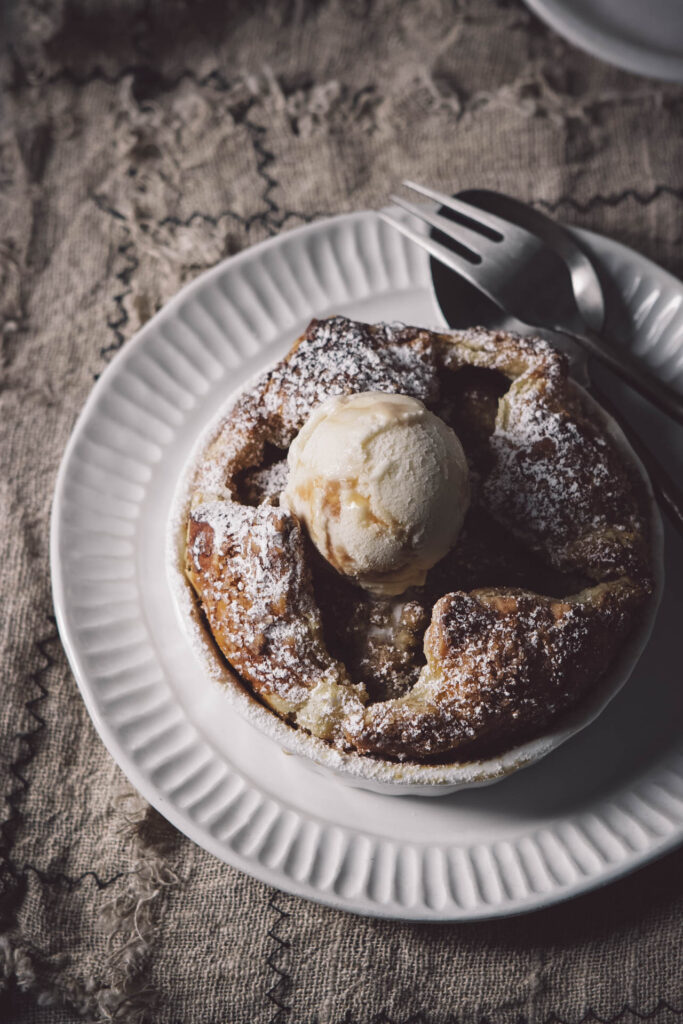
column 382, row 486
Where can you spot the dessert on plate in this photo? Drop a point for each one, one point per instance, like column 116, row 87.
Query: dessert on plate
column 417, row 547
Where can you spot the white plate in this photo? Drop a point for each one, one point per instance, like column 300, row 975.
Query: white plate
column 643, row 37
column 609, row 800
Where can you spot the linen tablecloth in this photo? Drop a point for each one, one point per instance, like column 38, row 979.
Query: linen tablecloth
column 140, row 143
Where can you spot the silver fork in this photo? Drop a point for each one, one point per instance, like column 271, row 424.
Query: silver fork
column 520, row 273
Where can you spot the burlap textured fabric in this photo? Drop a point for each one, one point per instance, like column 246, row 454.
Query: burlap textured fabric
column 140, row 143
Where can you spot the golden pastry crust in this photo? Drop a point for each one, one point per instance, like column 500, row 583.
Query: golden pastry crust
column 501, row 663
column 496, row 663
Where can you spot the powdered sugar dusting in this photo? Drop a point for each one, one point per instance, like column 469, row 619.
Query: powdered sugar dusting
column 237, row 556
column 336, row 357
column 499, row 663
column 559, row 485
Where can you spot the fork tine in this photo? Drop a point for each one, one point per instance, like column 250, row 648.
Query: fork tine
column 469, row 239
column 450, row 259
column 490, row 220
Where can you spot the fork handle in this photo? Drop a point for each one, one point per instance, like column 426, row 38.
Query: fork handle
column 666, row 490
column 631, row 371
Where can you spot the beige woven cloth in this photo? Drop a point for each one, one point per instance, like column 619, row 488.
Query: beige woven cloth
column 140, row 143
